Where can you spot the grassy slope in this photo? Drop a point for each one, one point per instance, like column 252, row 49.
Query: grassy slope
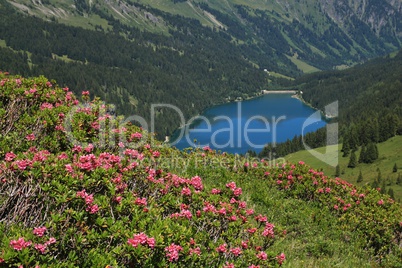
column 390, row 153
column 315, row 237
column 304, row 67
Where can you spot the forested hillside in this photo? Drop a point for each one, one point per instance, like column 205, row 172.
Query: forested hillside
column 370, row 100
column 321, row 33
column 136, row 71
column 369, row 95
column 135, row 54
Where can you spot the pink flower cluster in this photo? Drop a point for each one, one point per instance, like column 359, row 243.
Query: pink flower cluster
column 141, row 201
column 196, row 251
column 269, row 230
column 172, row 252
column 30, row 137
column 215, row 191
column 20, row 244
column 39, row 231
column 196, row 182
column 42, row 247
column 23, row 164
column 281, row 258
column 236, row 190
column 89, row 199
column 184, row 213
column 236, row 251
column 136, row 136
column 186, row 191
column 141, row 239
column 10, row 156
column 222, row 248
column 46, row 105
column 262, row 255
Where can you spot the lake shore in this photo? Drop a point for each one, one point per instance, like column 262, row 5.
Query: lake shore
column 295, row 94
column 279, row 92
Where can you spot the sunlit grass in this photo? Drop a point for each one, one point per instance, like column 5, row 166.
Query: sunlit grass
column 390, row 153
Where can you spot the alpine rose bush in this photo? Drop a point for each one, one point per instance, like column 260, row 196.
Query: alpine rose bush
column 84, row 204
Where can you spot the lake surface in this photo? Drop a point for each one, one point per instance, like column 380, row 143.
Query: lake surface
column 249, row 125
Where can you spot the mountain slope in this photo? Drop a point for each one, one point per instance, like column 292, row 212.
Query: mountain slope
column 85, row 190
column 139, row 53
column 323, row 34
column 390, row 154
column 133, row 73
column 370, row 89
column 368, row 98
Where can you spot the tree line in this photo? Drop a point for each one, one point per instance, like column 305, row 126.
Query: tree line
column 370, row 101
column 134, row 71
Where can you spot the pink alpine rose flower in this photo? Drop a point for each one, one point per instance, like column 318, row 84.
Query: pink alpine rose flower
column 20, row 244
column 281, row 258
column 172, row 252
column 262, row 255
column 10, row 156
column 41, row 248
column 222, row 248
column 39, row 231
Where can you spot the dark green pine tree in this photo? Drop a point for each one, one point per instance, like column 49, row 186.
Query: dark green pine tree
column 371, row 153
column 345, row 146
column 395, row 168
column 337, row 171
column 363, row 154
column 391, row 193
column 399, row 179
column 353, row 139
column 383, row 190
column 352, row 160
column 360, row 178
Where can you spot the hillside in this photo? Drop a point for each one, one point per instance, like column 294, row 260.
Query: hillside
column 369, row 89
column 81, row 188
column 368, row 98
column 313, row 32
column 390, row 154
column 138, row 53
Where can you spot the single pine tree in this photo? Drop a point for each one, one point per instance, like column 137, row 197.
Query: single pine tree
column 395, row 169
column 352, row 160
column 360, row 178
column 337, row 171
column 383, row 190
column 391, row 193
column 353, row 139
column 371, row 153
column 345, row 146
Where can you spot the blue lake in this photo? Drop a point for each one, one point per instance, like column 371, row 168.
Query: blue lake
column 249, row 125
